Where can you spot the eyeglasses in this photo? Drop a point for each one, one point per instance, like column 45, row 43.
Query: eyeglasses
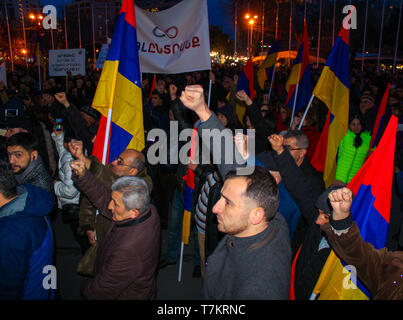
column 290, row 148
column 120, row 162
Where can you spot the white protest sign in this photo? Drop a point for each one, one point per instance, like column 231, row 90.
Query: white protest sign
column 63, row 60
column 174, row 40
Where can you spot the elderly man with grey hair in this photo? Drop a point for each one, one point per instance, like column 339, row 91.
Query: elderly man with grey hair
column 127, row 258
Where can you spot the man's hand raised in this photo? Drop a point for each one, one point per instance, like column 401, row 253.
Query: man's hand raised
column 242, row 95
column 341, row 200
column 77, row 151
column 78, row 167
column 62, row 99
column 193, row 98
column 277, row 142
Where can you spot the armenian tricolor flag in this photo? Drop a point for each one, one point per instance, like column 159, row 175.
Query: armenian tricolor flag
column 372, row 188
column 188, row 194
column 333, row 88
column 266, row 70
column 381, row 112
column 300, row 76
column 245, row 80
column 319, row 157
column 118, row 92
column 153, row 86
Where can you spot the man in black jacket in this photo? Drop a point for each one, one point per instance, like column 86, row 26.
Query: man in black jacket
column 78, row 121
column 290, row 151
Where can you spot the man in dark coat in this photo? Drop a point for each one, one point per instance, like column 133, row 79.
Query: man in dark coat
column 290, row 157
column 127, row 258
column 129, row 163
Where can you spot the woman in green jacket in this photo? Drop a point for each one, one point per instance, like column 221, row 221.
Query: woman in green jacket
column 353, row 150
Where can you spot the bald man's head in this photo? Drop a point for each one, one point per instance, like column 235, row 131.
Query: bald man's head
column 129, row 163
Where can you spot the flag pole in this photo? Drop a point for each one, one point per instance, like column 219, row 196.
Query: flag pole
column 289, row 35
column 272, row 80
column 9, row 38
column 261, row 51
column 180, row 263
column 365, row 37
column 39, row 72
column 109, row 120
column 278, row 5
column 305, row 10
column 380, row 37
column 306, row 111
column 397, row 36
column 236, row 27
column 65, row 28
column 319, row 26
column 293, row 106
column 79, row 25
column 209, row 94
column 93, row 36
column 334, row 21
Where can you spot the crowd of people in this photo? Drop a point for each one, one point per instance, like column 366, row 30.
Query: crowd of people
column 248, row 229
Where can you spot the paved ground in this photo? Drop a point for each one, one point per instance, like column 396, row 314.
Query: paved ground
column 68, row 255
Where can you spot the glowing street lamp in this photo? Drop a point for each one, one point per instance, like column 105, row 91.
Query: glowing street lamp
column 251, row 21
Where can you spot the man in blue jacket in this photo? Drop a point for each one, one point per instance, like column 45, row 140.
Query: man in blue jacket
column 26, row 245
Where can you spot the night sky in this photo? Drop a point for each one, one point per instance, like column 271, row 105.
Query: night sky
column 215, row 11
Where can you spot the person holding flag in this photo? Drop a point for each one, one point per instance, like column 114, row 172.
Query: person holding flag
column 118, row 95
column 370, row 210
column 333, row 89
column 380, row 270
column 298, row 84
column 267, row 70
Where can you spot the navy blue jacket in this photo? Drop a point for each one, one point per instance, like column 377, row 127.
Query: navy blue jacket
column 26, row 244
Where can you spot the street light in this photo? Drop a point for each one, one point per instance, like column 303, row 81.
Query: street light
column 251, row 21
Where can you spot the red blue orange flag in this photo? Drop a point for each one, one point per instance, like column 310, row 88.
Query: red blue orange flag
column 333, row 88
column 300, row 76
column 188, row 194
column 153, row 85
column 372, row 188
column 381, row 112
column 119, row 90
column 266, row 70
column 319, row 157
column 245, row 79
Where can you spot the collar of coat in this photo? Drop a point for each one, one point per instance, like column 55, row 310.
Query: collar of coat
column 130, row 222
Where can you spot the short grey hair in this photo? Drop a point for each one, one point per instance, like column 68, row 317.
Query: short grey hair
column 302, row 139
column 139, row 165
column 135, row 192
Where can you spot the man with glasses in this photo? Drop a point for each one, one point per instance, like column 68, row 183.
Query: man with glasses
column 129, row 163
column 290, row 156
